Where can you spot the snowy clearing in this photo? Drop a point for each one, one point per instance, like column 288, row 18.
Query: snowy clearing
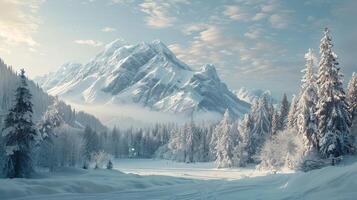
column 199, row 170
column 327, row 183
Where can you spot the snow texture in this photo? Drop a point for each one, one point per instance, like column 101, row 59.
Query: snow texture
column 328, row 183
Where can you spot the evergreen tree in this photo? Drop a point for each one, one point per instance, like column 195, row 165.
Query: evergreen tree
column 19, row 134
column 352, row 100
column 177, row 145
column 50, row 121
column 352, row 95
column 246, row 149
column 262, row 119
column 191, row 141
column 275, row 125
column 91, row 145
column 225, row 142
column 283, row 113
column 306, row 120
column 332, row 109
column 115, row 141
column 292, row 116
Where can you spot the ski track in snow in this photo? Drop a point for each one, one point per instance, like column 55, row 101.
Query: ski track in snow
column 204, row 182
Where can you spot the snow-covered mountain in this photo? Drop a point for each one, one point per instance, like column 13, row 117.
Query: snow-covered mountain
column 250, row 96
column 146, row 74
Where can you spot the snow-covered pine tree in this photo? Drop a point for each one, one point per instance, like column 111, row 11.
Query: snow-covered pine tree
column 191, row 141
column 292, row 116
column 176, row 147
column 262, row 124
column 332, row 109
column 225, row 142
column 91, row 145
column 52, row 119
column 283, row 113
column 19, row 134
column 352, row 95
column 275, row 125
column 352, row 100
column 306, row 119
column 213, row 143
column 115, row 142
column 245, row 148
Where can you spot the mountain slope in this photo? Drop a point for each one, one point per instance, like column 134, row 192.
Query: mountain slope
column 41, row 100
column 147, row 74
column 250, row 96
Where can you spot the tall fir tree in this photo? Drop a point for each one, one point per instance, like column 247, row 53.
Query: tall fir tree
column 19, row 134
column 306, row 119
column 91, row 145
column 262, row 117
column 275, row 125
column 332, row 108
column 245, row 148
column 191, row 141
column 352, row 101
column 51, row 119
column 225, row 142
column 283, row 113
column 292, row 116
column 352, row 95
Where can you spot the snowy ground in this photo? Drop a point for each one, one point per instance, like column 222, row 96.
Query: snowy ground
column 204, row 183
column 204, row 171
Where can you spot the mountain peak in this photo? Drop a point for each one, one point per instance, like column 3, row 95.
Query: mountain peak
column 115, row 44
column 210, row 71
column 159, row 46
column 148, row 74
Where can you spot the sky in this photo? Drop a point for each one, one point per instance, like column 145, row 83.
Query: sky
column 257, row 44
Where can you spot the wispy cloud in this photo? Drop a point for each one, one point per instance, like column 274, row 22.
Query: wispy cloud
column 209, row 45
column 19, row 21
column 253, row 11
column 159, row 12
column 108, row 29
column 279, row 21
column 89, row 42
column 253, row 33
column 236, row 12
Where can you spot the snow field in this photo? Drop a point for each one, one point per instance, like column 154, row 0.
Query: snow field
column 334, row 182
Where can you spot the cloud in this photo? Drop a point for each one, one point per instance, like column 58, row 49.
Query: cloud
column 19, row 20
column 253, row 11
column 279, row 21
column 209, row 45
column 236, row 13
column 89, row 42
column 253, row 34
column 193, row 28
column 259, row 16
column 159, row 12
column 108, row 29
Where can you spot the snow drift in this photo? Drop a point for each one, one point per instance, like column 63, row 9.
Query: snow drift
column 328, row 183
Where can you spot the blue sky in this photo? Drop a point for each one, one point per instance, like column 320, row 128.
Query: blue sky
column 253, row 43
